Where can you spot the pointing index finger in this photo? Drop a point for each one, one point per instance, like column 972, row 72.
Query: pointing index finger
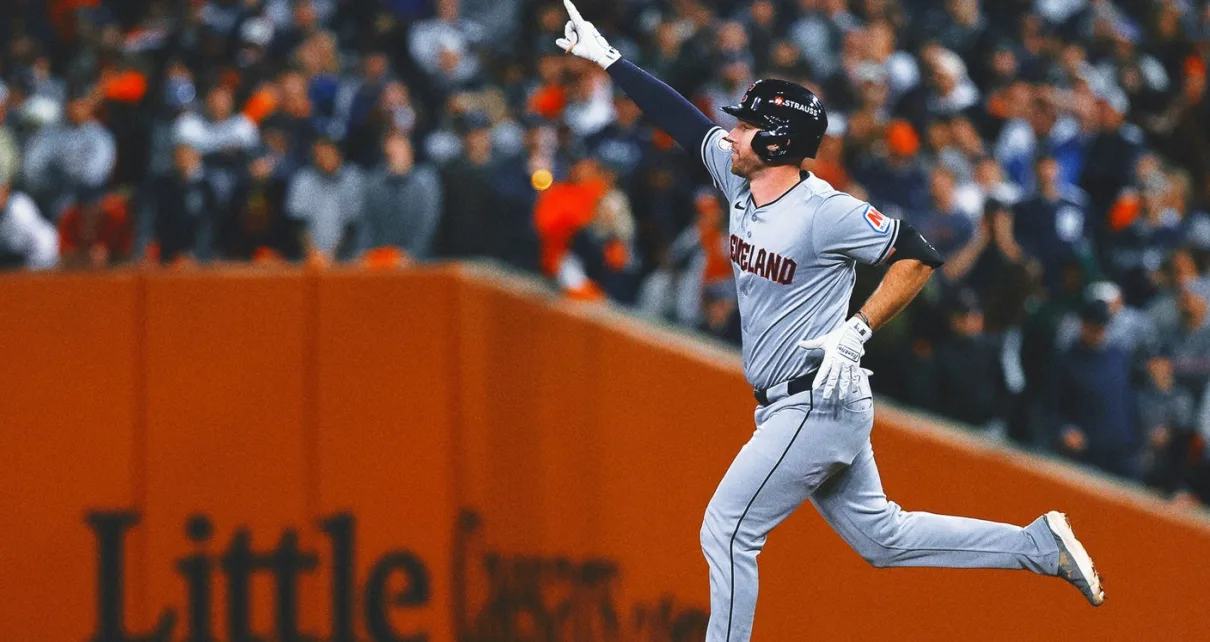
column 573, row 12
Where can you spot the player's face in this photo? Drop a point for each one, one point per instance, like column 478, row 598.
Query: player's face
column 744, row 161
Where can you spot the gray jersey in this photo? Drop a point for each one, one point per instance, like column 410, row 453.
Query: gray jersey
column 795, row 263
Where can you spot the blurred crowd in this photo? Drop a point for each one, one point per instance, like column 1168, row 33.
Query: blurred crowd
column 1055, row 151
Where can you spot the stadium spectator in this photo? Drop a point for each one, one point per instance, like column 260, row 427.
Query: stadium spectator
column 96, row 231
column 183, row 208
column 1167, row 416
column 736, row 72
column 987, row 182
column 696, row 263
column 970, row 376
column 985, row 262
column 444, row 47
column 318, row 58
column 720, row 316
column 1042, row 129
column 1112, row 154
column 951, row 92
column 589, row 107
column 62, row 158
column 961, row 27
column 1050, row 224
column 26, row 239
column 471, row 205
column 223, row 136
column 872, row 110
column 10, row 153
column 624, row 141
column 897, row 180
column 561, row 213
column 605, row 246
column 390, row 111
column 1128, row 327
column 403, row 202
column 367, row 89
column 819, row 32
column 1190, row 344
column 297, row 117
column 221, row 131
column 762, row 31
column 1145, row 226
column 1181, row 131
column 1180, row 272
column 901, row 68
column 178, row 96
column 257, row 225
column 943, row 224
column 326, row 197
column 1095, row 401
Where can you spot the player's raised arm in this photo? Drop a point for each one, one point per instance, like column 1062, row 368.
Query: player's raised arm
column 665, row 107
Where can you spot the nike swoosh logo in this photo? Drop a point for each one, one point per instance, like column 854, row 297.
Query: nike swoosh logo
column 739, row 205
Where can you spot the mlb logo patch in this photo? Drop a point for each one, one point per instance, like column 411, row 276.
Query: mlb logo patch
column 877, row 221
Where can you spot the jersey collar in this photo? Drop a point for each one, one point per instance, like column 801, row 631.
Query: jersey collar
column 803, row 175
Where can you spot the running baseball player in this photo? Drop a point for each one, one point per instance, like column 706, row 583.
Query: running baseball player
column 794, row 243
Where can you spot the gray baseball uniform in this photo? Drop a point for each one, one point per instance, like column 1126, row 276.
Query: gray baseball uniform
column 794, row 261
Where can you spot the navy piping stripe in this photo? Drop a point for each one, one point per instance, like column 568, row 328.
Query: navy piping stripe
column 701, row 152
column 887, row 250
column 731, row 545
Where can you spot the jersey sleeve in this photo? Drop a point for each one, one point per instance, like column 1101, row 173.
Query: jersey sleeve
column 716, row 156
column 847, row 227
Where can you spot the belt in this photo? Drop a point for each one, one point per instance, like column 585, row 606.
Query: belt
column 784, row 389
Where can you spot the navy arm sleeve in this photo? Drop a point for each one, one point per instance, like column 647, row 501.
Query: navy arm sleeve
column 910, row 244
column 669, row 110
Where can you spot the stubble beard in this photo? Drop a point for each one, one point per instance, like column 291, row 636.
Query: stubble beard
column 744, row 167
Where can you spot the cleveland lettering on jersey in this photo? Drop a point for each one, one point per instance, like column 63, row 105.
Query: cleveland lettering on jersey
column 761, row 262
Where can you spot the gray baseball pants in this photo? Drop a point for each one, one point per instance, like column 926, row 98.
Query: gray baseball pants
column 822, row 452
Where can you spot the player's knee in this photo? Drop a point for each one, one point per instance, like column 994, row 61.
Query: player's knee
column 877, row 556
column 711, row 534
column 877, row 551
column 879, row 544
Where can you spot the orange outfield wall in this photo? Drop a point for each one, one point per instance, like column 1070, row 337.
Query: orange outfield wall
column 453, row 453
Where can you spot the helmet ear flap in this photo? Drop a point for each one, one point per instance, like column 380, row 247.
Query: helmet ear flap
column 770, row 146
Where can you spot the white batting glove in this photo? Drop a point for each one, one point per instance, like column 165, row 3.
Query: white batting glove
column 842, row 352
column 582, row 39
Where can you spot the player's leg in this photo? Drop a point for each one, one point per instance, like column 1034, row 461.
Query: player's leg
column 854, row 504
column 793, row 450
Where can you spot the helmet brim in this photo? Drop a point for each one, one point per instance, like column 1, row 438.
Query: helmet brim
column 747, row 115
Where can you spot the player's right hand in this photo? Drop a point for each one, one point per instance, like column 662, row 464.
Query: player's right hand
column 582, row 39
column 840, row 369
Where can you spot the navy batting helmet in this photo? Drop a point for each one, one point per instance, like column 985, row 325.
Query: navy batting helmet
column 790, row 116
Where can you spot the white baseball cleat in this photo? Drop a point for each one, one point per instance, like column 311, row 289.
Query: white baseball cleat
column 1075, row 565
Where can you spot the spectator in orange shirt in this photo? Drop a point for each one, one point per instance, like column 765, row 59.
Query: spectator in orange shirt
column 561, row 212
column 96, row 231
column 605, row 246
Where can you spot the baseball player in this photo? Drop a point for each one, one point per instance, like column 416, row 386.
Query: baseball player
column 794, row 243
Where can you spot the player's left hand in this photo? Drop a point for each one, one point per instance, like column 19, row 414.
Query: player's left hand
column 583, row 39
column 842, row 352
